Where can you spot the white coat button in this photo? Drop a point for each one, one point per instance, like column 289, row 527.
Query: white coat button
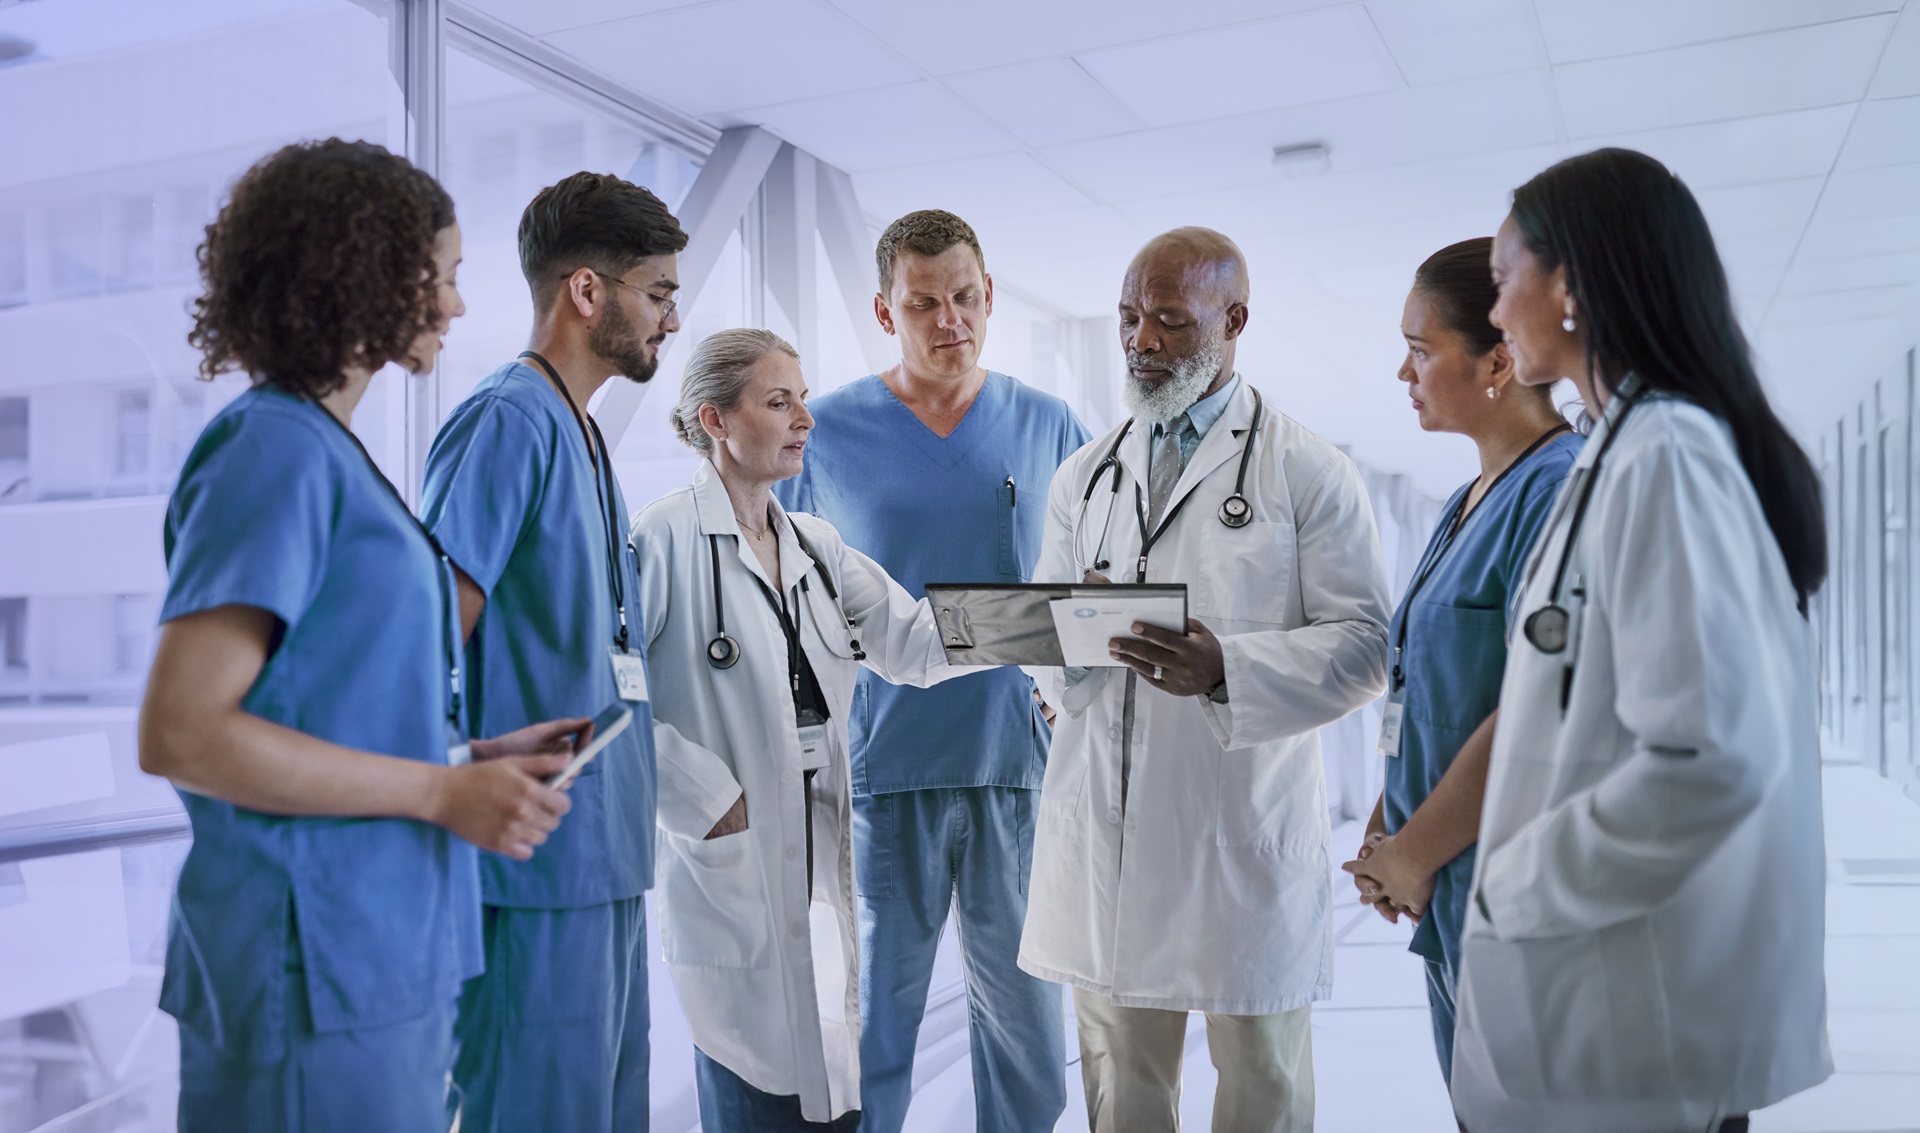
column 1113, row 815
column 787, row 777
column 793, row 855
column 1113, row 733
column 799, row 928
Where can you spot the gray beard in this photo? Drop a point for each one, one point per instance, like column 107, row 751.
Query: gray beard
column 1156, row 403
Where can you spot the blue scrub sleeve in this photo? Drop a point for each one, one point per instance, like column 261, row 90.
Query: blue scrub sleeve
column 252, row 518
column 796, row 494
column 486, row 478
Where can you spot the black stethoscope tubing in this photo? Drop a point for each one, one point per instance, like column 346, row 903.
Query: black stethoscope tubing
column 1546, row 629
column 602, row 490
column 1455, row 521
column 448, row 627
column 1235, row 511
column 723, row 651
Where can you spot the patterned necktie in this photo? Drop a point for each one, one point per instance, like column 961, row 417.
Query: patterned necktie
column 1168, row 462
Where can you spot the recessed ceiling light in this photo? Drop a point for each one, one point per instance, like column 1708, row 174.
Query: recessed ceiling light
column 1304, row 159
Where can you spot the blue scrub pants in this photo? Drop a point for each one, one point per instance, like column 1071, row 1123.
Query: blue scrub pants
column 554, row 1036
column 916, row 854
column 1440, row 1005
column 374, row 1080
column 729, row 1105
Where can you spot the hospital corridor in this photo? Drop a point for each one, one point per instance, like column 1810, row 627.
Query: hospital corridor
column 920, row 566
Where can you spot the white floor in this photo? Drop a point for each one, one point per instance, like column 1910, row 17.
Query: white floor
column 1373, row 1051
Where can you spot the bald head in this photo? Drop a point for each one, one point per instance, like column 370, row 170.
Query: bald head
column 1183, row 305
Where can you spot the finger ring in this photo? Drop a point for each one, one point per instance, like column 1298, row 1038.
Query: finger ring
column 1158, row 672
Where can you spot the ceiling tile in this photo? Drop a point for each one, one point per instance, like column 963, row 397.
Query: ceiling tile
column 1582, row 29
column 542, row 17
column 880, row 128
column 1309, row 57
column 1045, row 101
column 1464, row 39
column 944, row 40
column 1810, row 276
column 735, row 53
column 1775, row 147
column 1768, row 207
column 1364, row 285
column 1000, row 185
column 1900, row 66
column 1836, row 307
column 1031, row 238
column 1739, row 78
column 1756, row 262
column 1870, row 194
column 1084, row 285
column 1832, row 235
column 1394, row 128
column 1887, row 132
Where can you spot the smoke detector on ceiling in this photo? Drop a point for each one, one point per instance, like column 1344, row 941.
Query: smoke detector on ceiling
column 1305, row 159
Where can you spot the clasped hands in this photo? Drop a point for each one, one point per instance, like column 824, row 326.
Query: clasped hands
column 1389, row 879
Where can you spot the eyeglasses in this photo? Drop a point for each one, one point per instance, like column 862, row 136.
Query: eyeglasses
column 667, row 306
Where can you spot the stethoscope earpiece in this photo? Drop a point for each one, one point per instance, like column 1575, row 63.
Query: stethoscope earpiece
column 723, row 652
column 1235, row 511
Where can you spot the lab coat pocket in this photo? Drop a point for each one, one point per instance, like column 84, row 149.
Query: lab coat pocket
column 1246, row 575
column 1063, row 794
column 713, row 904
column 1579, row 1017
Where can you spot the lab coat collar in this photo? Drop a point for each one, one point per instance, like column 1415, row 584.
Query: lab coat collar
column 714, row 508
column 1221, row 444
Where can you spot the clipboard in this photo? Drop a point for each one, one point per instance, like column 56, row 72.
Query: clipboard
column 1011, row 623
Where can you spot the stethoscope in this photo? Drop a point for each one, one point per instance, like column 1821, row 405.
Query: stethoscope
column 723, row 652
column 1550, row 627
column 1235, row 512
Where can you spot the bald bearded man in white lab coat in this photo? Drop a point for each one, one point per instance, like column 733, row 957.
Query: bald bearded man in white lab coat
column 1181, row 854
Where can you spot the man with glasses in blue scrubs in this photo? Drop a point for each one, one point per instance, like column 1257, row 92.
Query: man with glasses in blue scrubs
column 519, row 491
column 938, row 469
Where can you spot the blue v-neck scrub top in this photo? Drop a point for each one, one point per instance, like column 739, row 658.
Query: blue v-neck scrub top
column 1456, row 650
column 277, row 508
column 967, row 507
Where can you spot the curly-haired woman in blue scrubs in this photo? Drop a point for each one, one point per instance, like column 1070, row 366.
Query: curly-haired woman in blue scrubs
column 1447, row 640
column 305, row 695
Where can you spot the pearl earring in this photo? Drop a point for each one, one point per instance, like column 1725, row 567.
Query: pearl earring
column 1493, row 393
column 1566, row 324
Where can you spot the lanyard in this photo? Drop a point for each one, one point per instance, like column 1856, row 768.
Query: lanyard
column 603, row 490
column 789, row 627
column 449, row 627
column 1455, row 522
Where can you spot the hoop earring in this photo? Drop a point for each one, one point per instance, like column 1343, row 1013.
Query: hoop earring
column 1567, row 325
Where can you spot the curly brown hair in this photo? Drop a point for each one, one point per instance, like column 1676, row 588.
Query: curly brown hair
column 928, row 232
column 322, row 258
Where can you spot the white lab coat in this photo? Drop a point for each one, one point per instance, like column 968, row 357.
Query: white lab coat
column 1207, row 886
column 1651, row 862
column 769, row 982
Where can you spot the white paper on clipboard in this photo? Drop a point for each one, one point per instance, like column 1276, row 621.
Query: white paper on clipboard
column 1087, row 621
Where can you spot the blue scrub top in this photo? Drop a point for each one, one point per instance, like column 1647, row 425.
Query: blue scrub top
column 1456, row 651
column 277, row 509
column 968, row 507
column 510, row 495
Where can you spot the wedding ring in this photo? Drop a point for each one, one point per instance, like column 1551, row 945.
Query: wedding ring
column 1158, row 672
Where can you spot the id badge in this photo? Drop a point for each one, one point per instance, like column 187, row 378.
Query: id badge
column 459, row 751
column 1392, row 713
column 629, row 676
column 813, row 746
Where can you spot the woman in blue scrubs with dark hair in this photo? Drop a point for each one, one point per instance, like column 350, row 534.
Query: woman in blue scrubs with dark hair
column 305, row 694
column 1447, row 640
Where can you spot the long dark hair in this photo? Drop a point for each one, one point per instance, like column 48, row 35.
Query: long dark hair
column 1652, row 296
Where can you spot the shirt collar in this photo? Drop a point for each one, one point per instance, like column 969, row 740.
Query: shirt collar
column 1203, row 413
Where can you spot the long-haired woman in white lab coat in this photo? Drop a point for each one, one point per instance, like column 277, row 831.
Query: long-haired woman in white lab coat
column 1643, row 950
column 757, row 622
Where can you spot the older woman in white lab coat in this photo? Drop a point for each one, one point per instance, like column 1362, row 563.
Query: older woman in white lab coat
column 1643, row 946
column 756, row 623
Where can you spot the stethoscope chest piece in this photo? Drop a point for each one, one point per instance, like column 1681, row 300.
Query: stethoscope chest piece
column 723, row 652
column 1235, row 511
column 1546, row 628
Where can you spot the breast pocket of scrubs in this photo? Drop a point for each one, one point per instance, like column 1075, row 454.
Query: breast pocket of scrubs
column 713, row 903
column 1459, row 652
column 1246, row 574
column 1006, row 504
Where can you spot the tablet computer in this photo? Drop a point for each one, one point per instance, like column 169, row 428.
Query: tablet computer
column 612, row 720
column 1012, row 623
